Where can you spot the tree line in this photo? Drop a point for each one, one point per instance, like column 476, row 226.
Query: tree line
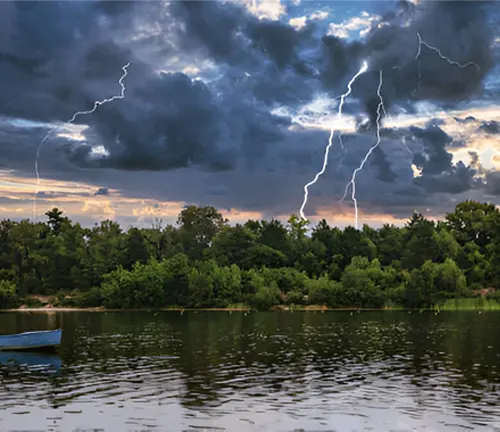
column 203, row 261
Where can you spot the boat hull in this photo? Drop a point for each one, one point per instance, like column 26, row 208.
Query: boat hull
column 31, row 340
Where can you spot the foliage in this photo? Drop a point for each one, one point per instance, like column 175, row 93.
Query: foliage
column 8, row 295
column 205, row 262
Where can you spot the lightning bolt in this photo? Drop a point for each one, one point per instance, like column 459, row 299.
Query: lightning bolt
column 363, row 69
column 352, row 183
column 97, row 104
column 381, row 108
column 440, row 54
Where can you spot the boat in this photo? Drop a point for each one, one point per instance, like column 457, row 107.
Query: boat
column 36, row 340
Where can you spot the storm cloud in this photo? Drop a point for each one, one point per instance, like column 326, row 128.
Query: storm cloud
column 490, row 127
column 205, row 83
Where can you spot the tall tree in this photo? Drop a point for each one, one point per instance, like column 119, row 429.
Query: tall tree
column 198, row 227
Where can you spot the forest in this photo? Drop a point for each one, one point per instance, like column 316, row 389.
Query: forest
column 204, row 262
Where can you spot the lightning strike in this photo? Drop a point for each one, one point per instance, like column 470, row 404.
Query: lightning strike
column 440, row 54
column 460, row 65
column 363, row 69
column 352, row 183
column 97, row 104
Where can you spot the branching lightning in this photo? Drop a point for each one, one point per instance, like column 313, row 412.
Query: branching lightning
column 97, row 104
column 352, row 183
column 440, row 54
column 438, row 51
column 363, row 69
column 381, row 108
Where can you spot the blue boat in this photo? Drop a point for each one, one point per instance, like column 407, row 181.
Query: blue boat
column 31, row 340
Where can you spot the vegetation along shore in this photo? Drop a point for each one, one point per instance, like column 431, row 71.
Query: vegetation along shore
column 203, row 262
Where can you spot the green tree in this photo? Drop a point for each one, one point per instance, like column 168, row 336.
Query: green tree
column 55, row 219
column 231, row 246
column 476, row 222
column 135, row 248
column 198, row 226
column 421, row 243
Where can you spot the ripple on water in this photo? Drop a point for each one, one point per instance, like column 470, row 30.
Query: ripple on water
column 263, row 372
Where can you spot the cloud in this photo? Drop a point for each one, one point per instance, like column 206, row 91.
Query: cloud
column 457, row 179
column 319, row 15
column 385, row 172
column 493, row 183
column 363, row 23
column 298, row 22
column 266, row 9
column 434, row 159
column 102, row 191
column 215, row 126
column 490, row 127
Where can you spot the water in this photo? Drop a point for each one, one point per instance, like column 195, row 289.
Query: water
column 337, row 371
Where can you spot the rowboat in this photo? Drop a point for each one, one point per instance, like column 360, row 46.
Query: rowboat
column 31, row 340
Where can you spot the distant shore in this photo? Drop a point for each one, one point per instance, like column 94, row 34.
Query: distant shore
column 478, row 304
column 312, row 308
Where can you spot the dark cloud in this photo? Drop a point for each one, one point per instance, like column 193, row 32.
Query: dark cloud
column 169, row 121
column 468, row 119
column 457, row 179
column 460, row 30
column 490, row 127
column 224, row 124
column 435, row 159
column 474, row 159
column 185, row 125
column 380, row 160
column 102, row 191
column 493, row 183
column 49, row 71
column 438, row 173
column 228, row 33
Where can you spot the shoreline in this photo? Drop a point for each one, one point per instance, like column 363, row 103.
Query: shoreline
column 230, row 310
column 236, row 309
column 485, row 305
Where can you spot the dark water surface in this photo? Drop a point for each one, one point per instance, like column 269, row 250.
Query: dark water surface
column 337, row 371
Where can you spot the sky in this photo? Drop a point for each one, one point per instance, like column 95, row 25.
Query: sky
column 232, row 104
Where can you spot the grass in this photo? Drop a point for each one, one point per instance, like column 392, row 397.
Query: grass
column 477, row 303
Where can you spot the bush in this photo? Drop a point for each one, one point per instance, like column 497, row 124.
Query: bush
column 8, row 295
column 265, row 298
column 495, row 295
column 139, row 288
column 294, row 297
column 323, row 291
column 360, row 291
column 90, row 298
column 434, row 283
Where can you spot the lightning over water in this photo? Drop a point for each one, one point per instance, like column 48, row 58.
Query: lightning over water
column 363, row 69
column 352, row 183
column 97, row 104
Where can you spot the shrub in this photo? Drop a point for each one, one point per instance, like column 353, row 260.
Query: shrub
column 294, row 297
column 323, row 291
column 8, row 295
column 265, row 298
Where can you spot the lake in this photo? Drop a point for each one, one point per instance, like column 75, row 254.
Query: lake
column 276, row 371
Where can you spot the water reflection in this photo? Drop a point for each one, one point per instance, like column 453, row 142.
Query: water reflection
column 273, row 371
column 33, row 360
